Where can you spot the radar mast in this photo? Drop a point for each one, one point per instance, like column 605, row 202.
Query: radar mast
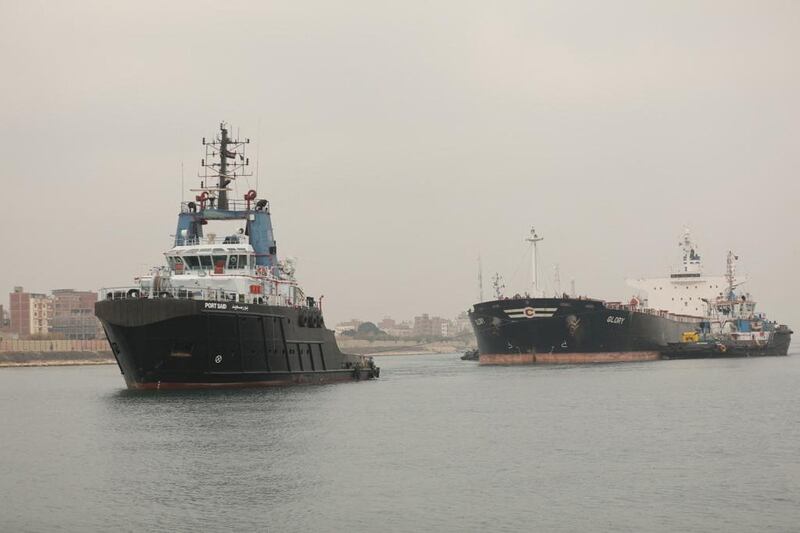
column 231, row 164
column 533, row 238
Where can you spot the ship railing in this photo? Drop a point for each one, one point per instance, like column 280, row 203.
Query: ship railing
column 137, row 293
column 214, row 295
column 233, row 205
column 196, row 241
column 650, row 311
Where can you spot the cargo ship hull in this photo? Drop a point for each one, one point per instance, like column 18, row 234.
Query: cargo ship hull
column 181, row 343
column 571, row 330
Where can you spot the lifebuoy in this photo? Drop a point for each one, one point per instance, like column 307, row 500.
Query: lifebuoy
column 250, row 196
column 133, row 293
column 722, row 348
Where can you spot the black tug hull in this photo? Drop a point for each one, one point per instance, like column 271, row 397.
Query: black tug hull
column 570, row 330
column 778, row 345
column 176, row 343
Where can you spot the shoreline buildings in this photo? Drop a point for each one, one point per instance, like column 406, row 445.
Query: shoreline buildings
column 65, row 314
column 423, row 326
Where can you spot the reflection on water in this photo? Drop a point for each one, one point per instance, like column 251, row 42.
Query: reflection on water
column 436, row 443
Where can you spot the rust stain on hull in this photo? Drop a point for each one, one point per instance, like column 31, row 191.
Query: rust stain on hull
column 566, row 358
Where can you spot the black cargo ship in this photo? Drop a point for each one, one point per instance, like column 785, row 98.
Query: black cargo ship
column 687, row 314
column 224, row 311
column 572, row 330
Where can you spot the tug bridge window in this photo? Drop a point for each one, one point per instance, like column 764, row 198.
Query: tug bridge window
column 173, row 261
column 237, row 261
column 208, row 262
column 219, row 259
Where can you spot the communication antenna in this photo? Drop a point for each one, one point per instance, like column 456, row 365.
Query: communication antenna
column 182, row 194
column 730, row 273
column 258, row 150
column 480, row 279
column 498, row 285
column 572, row 287
column 534, row 238
column 557, row 281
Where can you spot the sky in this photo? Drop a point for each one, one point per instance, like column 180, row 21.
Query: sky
column 397, row 141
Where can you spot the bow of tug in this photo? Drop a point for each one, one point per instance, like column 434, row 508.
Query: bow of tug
column 180, row 343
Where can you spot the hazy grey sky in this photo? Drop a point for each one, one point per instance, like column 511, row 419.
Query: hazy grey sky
column 398, row 140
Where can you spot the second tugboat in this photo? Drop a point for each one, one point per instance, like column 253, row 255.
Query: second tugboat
column 732, row 328
column 225, row 311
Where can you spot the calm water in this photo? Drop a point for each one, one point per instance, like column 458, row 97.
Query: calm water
column 435, row 444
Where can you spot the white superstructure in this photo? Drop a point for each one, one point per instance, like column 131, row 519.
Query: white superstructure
column 223, row 269
column 686, row 291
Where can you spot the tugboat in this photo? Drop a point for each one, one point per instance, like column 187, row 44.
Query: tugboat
column 471, row 355
column 224, row 311
column 732, row 328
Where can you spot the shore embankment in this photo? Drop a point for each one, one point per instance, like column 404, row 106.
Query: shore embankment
column 401, row 347
column 14, row 353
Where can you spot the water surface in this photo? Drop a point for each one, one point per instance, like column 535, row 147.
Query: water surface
column 435, row 444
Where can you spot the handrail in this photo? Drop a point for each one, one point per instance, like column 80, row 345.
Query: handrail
column 650, row 311
column 228, row 239
column 213, row 295
column 233, row 205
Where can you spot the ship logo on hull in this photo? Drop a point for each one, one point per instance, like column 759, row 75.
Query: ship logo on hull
column 531, row 312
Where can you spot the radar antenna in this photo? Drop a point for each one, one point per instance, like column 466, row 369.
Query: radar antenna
column 480, row 279
column 730, row 274
column 557, row 281
column 691, row 259
column 498, row 285
column 231, row 164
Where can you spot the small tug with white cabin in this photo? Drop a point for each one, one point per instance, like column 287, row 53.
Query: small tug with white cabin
column 732, row 327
